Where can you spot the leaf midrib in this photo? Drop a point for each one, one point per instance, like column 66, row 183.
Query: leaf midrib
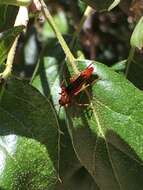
column 101, row 132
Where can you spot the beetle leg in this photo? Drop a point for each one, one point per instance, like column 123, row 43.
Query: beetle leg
column 81, row 89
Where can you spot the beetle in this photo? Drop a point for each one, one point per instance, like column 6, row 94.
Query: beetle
column 73, row 89
column 75, row 86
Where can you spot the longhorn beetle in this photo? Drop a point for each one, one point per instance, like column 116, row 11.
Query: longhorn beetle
column 75, row 86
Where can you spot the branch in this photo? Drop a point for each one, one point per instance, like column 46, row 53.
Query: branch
column 129, row 60
column 62, row 42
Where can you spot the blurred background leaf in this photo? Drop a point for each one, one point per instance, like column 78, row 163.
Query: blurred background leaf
column 6, row 40
column 136, row 38
column 102, row 5
column 7, row 16
column 135, row 74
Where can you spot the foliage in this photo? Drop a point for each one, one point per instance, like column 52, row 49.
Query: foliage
column 96, row 142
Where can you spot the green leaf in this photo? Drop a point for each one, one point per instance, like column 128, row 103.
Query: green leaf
column 6, row 40
column 47, row 81
column 82, row 180
column 61, row 22
column 25, row 112
column 28, row 167
column 81, row 5
column 102, row 5
column 119, row 66
column 108, row 134
column 137, row 35
column 7, row 16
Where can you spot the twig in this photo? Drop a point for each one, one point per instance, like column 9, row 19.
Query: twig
column 60, row 38
column 16, row 2
column 7, row 72
column 62, row 42
column 129, row 60
column 84, row 17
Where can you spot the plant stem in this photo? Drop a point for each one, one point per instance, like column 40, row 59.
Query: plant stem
column 21, row 19
column 62, row 42
column 9, row 63
column 84, row 17
column 129, row 60
column 37, row 67
column 65, row 48
column 16, row 2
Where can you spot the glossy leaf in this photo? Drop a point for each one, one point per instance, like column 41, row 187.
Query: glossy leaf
column 47, row 81
column 28, row 167
column 107, row 134
column 6, row 40
column 26, row 113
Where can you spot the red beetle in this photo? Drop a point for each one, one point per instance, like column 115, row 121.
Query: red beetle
column 74, row 88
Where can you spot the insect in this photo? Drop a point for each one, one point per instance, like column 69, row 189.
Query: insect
column 75, row 86
column 67, row 94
